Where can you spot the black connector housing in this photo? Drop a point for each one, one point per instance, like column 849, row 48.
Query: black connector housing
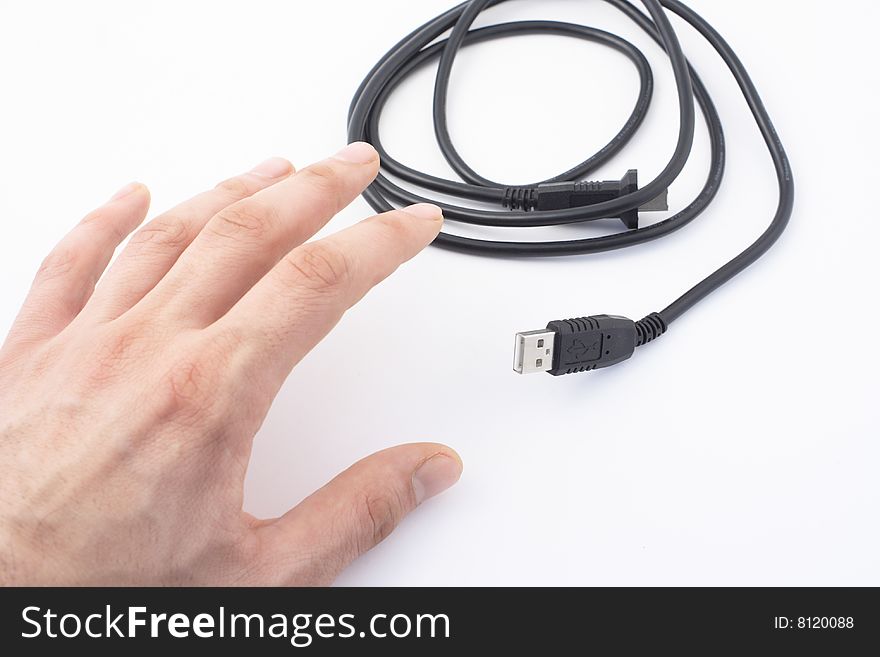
column 572, row 346
column 567, row 195
column 591, row 343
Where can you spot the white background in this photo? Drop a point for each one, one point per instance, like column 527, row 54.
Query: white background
column 741, row 449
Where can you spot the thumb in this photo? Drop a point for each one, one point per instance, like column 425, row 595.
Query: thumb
column 358, row 510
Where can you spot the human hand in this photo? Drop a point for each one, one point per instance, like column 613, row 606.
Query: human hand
column 127, row 410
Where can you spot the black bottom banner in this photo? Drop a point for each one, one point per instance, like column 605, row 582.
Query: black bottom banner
column 440, row 621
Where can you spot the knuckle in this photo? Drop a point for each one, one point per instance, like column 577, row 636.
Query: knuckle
column 113, row 352
column 193, row 387
column 394, row 226
column 105, row 222
column 380, row 512
column 224, row 341
column 162, row 234
column 320, row 265
column 60, row 262
column 237, row 187
column 244, row 219
column 95, row 217
column 186, row 387
column 326, row 180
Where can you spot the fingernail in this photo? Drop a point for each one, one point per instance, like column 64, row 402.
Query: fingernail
column 434, row 476
column 274, row 167
column 125, row 191
column 357, row 153
column 425, row 211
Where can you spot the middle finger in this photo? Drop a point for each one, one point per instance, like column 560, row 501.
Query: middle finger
column 246, row 240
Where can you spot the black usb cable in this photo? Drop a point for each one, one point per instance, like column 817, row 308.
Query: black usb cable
column 579, row 345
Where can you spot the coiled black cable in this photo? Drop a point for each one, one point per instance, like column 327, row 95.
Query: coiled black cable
column 419, row 48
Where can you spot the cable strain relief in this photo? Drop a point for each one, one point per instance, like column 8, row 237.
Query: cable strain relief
column 521, row 198
column 650, row 328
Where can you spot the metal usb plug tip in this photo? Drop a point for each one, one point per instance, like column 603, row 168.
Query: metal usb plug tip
column 534, row 352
